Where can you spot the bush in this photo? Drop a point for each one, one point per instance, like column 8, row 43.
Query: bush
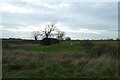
column 105, row 48
column 49, row 41
column 68, row 38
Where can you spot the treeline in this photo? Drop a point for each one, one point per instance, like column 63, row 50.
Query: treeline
column 19, row 39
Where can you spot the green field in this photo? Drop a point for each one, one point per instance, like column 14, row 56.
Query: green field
column 64, row 60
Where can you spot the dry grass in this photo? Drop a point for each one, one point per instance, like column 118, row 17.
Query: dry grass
column 83, row 66
column 21, row 63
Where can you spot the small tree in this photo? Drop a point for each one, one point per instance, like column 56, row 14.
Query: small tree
column 60, row 35
column 35, row 34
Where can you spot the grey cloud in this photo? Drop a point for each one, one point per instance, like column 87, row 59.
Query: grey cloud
column 96, row 16
column 93, row 15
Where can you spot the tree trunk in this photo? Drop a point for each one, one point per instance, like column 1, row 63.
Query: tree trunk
column 35, row 38
column 46, row 35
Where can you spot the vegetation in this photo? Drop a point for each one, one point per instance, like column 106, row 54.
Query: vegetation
column 50, row 31
column 64, row 60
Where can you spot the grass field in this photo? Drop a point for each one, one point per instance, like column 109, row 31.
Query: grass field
column 61, row 60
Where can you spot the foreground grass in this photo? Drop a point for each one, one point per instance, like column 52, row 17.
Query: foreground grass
column 24, row 64
column 66, row 62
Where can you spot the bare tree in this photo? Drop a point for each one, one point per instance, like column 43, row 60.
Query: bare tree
column 35, row 34
column 60, row 35
column 49, row 29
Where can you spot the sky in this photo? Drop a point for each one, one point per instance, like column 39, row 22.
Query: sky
column 79, row 20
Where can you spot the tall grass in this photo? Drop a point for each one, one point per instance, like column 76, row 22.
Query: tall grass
column 108, row 48
column 67, row 61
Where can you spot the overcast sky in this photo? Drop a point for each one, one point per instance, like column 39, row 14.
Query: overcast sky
column 79, row 20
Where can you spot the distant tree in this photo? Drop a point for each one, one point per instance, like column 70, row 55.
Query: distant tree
column 68, row 38
column 60, row 35
column 49, row 29
column 35, row 34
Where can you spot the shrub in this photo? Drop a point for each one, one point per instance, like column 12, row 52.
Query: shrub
column 67, row 38
column 49, row 41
